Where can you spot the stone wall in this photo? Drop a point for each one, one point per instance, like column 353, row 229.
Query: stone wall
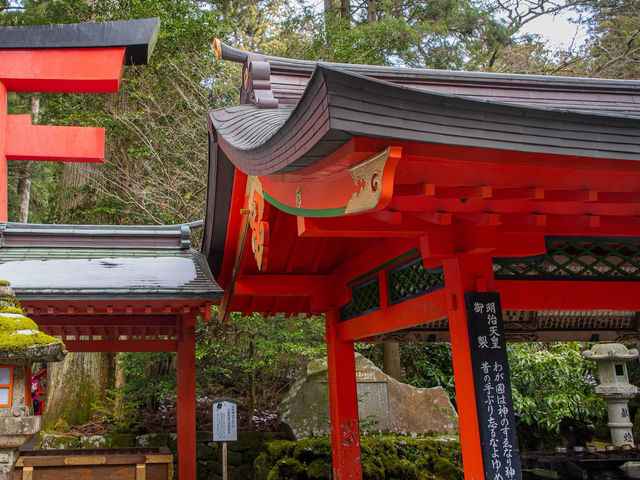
column 240, row 454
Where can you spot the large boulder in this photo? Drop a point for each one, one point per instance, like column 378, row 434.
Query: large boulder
column 383, row 403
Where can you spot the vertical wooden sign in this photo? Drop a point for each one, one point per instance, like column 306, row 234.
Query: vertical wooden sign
column 492, row 384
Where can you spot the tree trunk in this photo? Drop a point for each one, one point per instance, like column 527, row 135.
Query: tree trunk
column 371, row 11
column 391, row 360
column 119, row 385
column 252, row 387
column 24, row 191
column 75, row 384
column 24, row 174
column 345, row 9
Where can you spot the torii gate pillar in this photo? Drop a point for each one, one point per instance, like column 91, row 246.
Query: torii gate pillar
column 3, row 156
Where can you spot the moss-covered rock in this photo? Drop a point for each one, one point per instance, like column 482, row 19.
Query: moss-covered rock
column 18, row 332
column 172, row 442
column 446, row 470
column 119, row 440
column 383, row 457
column 261, row 466
column 52, row 441
column 320, row 469
column 234, row 458
column 291, row 469
column 243, row 472
column 372, row 469
column 152, row 440
column 93, row 441
column 203, row 451
column 280, row 448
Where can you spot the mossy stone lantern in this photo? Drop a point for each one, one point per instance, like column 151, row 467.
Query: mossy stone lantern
column 21, row 344
column 614, row 387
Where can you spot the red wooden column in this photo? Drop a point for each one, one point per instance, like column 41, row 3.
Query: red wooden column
column 3, row 156
column 343, row 403
column 466, row 273
column 186, row 397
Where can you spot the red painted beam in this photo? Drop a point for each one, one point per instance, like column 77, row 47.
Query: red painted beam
column 49, row 143
column 106, row 320
column 284, row 285
column 81, row 70
column 121, row 345
column 568, row 295
column 417, row 311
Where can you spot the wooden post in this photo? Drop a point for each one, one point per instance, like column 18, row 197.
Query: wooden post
column 186, row 398
column 466, row 272
column 224, row 460
column 3, row 157
column 343, row 403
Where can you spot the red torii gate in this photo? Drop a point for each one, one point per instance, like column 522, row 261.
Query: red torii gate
column 80, row 58
column 389, row 199
column 89, row 58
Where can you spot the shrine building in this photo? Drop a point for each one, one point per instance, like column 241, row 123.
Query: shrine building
column 425, row 205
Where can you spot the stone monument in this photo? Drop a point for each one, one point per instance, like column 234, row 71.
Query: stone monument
column 21, row 344
column 383, row 403
column 614, row 387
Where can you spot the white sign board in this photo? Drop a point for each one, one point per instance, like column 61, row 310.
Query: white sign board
column 225, row 423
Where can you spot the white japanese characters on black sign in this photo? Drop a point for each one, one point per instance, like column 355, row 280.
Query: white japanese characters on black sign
column 225, row 424
column 492, row 387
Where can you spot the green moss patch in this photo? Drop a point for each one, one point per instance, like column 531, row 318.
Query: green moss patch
column 18, row 331
column 383, row 457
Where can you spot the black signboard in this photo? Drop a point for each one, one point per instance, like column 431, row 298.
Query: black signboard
column 492, row 386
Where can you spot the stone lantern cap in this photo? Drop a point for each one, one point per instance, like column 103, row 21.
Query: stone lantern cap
column 20, row 339
column 610, row 351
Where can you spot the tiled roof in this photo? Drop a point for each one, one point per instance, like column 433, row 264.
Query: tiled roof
column 45, row 261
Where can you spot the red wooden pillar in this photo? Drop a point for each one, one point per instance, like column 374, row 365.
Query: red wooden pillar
column 343, row 403
column 466, row 273
column 3, row 153
column 186, row 398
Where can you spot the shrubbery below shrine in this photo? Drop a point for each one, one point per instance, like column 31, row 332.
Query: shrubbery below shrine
column 383, row 457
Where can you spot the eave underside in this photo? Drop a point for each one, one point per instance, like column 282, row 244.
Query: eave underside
column 446, row 200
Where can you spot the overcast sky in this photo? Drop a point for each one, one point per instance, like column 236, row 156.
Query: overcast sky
column 558, row 31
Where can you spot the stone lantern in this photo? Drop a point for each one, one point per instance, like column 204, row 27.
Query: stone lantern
column 21, row 344
column 614, row 387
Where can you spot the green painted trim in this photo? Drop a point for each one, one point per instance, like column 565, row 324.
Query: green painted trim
column 305, row 212
column 384, row 266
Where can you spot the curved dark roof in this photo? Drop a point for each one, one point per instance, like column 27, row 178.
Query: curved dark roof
column 138, row 36
column 338, row 104
column 289, row 78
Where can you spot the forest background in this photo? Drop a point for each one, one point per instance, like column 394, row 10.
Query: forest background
column 156, row 159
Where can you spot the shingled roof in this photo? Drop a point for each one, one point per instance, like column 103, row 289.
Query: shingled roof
column 320, row 106
column 73, row 261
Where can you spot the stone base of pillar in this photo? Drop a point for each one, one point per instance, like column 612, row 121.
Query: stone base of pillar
column 8, row 459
